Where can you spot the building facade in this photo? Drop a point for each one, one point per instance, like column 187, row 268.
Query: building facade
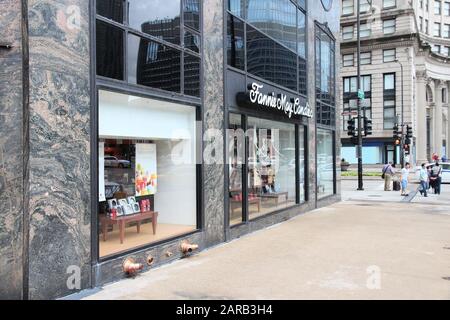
column 128, row 128
column 404, row 68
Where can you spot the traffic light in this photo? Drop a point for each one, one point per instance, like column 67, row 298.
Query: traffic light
column 409, row 132
column 397, row 134
column 351, row 127
column 367, row 126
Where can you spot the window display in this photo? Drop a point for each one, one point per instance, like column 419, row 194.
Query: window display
column 271, row 166
column 325, row 163
column 147, row 158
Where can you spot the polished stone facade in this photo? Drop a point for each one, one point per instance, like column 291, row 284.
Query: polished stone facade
column 11, row 150
column 52, row 191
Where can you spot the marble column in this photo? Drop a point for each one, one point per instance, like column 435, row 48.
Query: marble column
column 213, row 120
column 421, row 116
column 437, row 121
column 59, row 147
column 11, row 151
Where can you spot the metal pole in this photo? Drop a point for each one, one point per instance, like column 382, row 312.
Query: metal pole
column 402, row 120
column 359, row 147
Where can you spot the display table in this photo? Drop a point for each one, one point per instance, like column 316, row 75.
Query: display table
column 106, row 221
column 276, row 196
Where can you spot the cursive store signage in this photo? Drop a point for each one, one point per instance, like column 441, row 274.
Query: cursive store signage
column 280, row 102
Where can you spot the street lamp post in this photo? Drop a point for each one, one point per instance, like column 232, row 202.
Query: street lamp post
column 402, row 120
column 360, row 142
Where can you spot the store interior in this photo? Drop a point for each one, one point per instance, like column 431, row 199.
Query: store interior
column 146, row 160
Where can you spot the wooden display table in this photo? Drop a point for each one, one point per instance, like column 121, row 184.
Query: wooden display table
column 123, row 220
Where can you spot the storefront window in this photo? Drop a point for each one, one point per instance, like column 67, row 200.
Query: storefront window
column 325, row 163
column 147, row 160
column 271, row 166
column 236, row 160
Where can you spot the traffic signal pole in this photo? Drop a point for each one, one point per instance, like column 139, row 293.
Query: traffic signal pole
column 359, row 147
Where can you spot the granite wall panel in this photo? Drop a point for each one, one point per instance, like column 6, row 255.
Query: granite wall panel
column 213, row 119
column 59, row 147
column 11, row 151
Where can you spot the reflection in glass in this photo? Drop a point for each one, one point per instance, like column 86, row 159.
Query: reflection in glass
column 139, row 158
column 301, row 34
column 271, row 164
column 191, row 75
column 191, row 13
column 237, row 7
column 236, row 153
column 302, row 78
column 192, row 41
column 302, row 168
column 325, row 163
column 269, row 60
column 154, row 65
column 277, row 18
column 109, row 50
column 111, row 9
column 235, row 43
column 159, row 18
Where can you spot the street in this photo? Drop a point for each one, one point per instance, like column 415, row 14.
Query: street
column 373, row 245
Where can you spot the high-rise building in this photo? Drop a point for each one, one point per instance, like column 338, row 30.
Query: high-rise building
column 404, row 47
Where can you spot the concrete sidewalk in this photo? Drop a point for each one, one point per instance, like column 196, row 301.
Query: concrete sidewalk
column 351, row 250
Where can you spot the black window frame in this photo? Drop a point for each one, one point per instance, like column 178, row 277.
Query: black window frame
column 245, row 115
column 389, row 95
column 99, row 83
column 127, row 29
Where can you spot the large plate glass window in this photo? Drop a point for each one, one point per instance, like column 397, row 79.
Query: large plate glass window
column 271, row 166
column 147, row 171
column 325, row 163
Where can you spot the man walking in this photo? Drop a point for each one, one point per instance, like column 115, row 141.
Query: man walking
column 388, row 173
column 423, row 177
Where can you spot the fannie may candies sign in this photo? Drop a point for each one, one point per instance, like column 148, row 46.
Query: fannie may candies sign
column 280, row 102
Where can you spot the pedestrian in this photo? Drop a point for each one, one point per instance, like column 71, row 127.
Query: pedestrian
column 423, row 178
column 444, row 158
column 436, row 177
column 405, row 178
column 387, row 174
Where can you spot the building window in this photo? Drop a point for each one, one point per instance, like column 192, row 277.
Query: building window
column 389, row 92
column 437, row 7
column 444, row 95
column 446, row 32
column 427, row 28
column 437, row 29
column 275, row 171
column 366, row 58
column 347, row 32
column 436, row 48
column 325, row 78
column 389, row 55
column 158, row 60
column 389, row 26
column 421, row 24
column 387, row 4
column 270, row 43
column 325, row 163
column 348, row 7
column 447, row 9
column 235, row 42
column 364, row 6
column 427, row 5
column 365, row 30
column 348, row 60
column 140, row 163
column 421, row 4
